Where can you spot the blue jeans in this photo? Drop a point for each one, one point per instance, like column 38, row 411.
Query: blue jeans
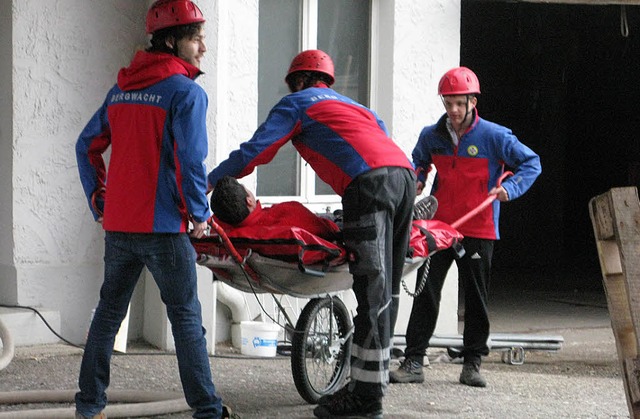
column 171, row 260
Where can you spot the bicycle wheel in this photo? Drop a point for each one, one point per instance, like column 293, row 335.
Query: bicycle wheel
column 320, row 348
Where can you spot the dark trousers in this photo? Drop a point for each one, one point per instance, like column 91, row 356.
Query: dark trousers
column 474, row 271
column 378, row 208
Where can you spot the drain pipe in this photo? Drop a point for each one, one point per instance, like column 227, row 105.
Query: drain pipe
column 233, row 299
column 7, row 346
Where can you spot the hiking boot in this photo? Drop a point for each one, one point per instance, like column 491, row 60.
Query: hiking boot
column 328, row 397
column 100, row 415
column 471, row 376
column 425, row 208
column 345, row 404
column 227, row 413
column 409, row 371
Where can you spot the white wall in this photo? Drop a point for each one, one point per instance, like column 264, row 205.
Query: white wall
column 64, row 56
column 232, row 65
column 231, row 70
column 419, row 41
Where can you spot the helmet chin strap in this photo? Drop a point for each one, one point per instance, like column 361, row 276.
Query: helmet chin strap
column 469, row 111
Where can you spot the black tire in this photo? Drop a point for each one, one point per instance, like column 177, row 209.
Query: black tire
column 320, row 348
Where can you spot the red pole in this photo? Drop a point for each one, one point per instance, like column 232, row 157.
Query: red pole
column 482, row 206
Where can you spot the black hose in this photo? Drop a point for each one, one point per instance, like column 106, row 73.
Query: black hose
column 45, row 322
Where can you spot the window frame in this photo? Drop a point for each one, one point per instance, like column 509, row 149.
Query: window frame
column 308, row 40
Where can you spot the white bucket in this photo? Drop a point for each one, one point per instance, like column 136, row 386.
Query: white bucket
column 258, row 338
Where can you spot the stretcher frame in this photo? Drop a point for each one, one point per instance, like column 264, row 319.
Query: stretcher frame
column 322, row 334
column 321, row 337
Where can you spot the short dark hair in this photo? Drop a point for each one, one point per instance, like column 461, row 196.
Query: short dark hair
column 229, row 201
column 309, row 79
column 159, row 37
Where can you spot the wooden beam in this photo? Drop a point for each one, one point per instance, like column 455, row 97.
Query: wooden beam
column 615, row 217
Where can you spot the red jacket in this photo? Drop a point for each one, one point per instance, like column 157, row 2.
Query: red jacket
column 154, row 121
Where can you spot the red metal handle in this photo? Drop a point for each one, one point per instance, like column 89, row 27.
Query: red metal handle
column 482, row 205
column 229, row 247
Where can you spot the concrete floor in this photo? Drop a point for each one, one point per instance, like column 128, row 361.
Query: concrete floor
column 582, row 380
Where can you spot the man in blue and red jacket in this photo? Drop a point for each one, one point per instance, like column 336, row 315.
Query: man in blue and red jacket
column 153, row 120
column 348, row 146
column 469, row 154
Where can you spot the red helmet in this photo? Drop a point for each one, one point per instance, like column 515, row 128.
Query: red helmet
column 166, row 13
column 459, row 81
column 312, row 60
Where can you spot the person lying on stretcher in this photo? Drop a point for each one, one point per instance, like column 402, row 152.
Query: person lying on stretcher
column 235, row 206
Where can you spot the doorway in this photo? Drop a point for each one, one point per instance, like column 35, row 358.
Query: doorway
column 565, row 78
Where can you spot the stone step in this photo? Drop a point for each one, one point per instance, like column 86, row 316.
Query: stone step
column 27, row 328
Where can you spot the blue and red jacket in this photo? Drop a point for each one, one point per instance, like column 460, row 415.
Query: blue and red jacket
column 337, row 136
column 467, row 172
column 154, row 121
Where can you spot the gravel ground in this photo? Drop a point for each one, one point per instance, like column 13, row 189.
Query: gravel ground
column 582, row 380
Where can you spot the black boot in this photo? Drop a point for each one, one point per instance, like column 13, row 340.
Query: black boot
column 471, row 376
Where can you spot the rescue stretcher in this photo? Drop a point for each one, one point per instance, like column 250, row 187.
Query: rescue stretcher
column 321, row 337
column 304, row 266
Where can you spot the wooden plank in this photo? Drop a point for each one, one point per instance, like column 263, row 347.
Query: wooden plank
column 615, row 217
column 632, row 370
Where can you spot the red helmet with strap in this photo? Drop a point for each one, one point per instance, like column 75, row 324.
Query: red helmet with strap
column 312, row 60
column 459, row 81
column 167, row 13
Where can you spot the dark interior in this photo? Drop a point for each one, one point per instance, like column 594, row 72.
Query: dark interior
column 566, row 80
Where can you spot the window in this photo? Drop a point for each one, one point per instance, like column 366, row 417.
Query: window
column 340, row 28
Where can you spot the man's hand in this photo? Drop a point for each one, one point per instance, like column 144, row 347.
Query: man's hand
column 503, row 196
column 199, row 229
column 419, row 187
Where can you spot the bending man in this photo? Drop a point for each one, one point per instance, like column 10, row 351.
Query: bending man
column 349, row 148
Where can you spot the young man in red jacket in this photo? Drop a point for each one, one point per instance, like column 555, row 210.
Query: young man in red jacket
column 154, row 120
column 469, row 154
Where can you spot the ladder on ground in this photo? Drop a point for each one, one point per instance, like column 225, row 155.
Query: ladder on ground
column 512, row 345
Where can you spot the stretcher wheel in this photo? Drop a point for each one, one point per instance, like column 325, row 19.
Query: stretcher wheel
column 320, row 348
